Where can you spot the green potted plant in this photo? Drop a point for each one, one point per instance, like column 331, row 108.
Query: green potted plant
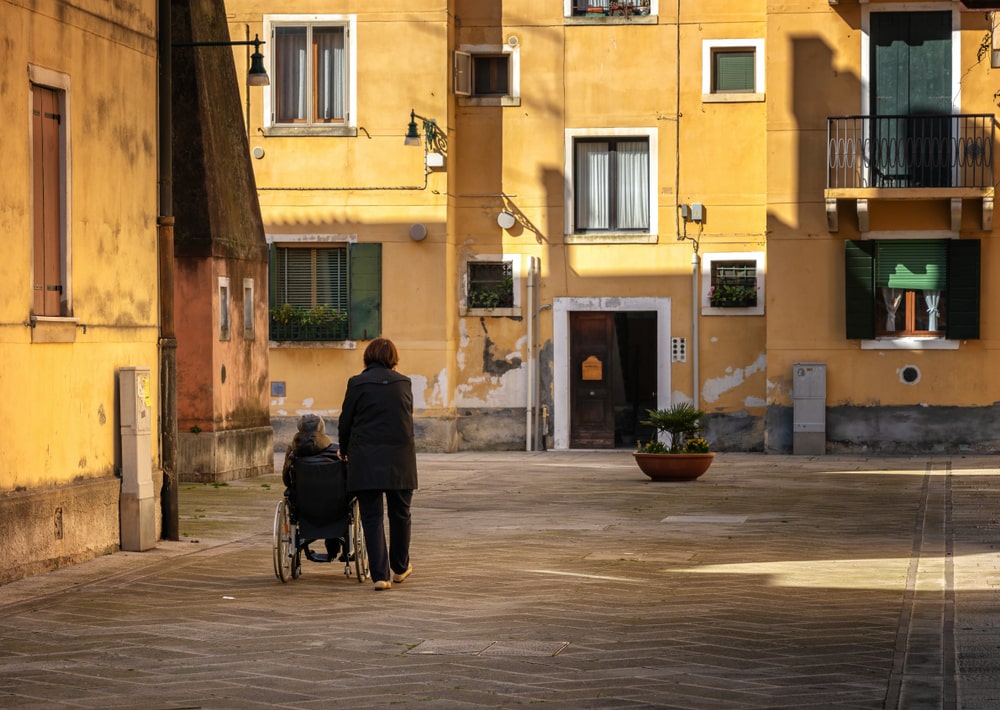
column 324, row 322
column 732, row 296
column 686, row 456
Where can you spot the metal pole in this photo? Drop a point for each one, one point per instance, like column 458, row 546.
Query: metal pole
column 165, row 245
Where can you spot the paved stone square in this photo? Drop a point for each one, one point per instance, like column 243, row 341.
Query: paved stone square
column 563, row 578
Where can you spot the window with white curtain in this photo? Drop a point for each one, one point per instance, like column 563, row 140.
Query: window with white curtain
column 311, row 70
column 611, row 185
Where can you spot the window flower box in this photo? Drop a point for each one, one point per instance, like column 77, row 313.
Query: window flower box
column 294, row 323
column 732, row 296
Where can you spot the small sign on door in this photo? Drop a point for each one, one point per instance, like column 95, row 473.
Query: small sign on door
column 593, row 369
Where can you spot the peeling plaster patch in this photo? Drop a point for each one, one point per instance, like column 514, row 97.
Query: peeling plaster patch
column 491, row 365
column 308, row 402
column 679, row 398
column 713, row 339
column 506, row 391
column 282, row 412
column 463, row 342
column 279, row 402
column 428, row 393
column 754, row 402
column 713, row 389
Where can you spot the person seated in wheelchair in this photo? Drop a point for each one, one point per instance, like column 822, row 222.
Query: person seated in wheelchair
column 311, row 447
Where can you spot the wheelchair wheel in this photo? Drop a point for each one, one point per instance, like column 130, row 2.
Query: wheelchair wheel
column 285, row 552
column 358, row 543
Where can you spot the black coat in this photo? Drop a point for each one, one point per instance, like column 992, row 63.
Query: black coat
column 376, row 431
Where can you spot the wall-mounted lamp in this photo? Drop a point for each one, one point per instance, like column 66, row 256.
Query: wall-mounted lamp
column 433, row 139
column 506, row 219
column 257, row 75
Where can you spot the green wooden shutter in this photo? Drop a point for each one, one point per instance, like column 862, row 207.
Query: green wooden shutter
column 912, row 263
column 366, row 291
column 734, row 71
column 272, row 274
column 963, row 289
column 859, row 289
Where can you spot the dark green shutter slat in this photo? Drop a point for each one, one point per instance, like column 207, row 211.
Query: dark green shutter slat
column 366, row 291
column 912, row 263
column 331, row 278
column 272, row 275
column 859, row 289
column 734, row 71
column 963, row 289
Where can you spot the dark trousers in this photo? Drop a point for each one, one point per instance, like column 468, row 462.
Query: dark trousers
column 395, row 558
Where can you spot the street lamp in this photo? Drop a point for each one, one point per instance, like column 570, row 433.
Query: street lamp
column 257, row 75
column 430, row 129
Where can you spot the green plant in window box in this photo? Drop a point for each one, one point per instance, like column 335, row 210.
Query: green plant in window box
column 732, row 296
column 290, row 322
column 500, row 295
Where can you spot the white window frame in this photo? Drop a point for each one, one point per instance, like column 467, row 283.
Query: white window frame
column 349, row 126
column 707, row 263
column 515, row 269
column 249, row 328
column 708, row 49
column 60, row 82
column 225, row 317
column 654, row 10
column 463, row 78
column 319, row 239
column 570, row 236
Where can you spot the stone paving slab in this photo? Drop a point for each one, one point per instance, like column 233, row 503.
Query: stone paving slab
column 564, row 578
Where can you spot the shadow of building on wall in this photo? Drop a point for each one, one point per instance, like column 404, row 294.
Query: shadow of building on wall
column 220, row 297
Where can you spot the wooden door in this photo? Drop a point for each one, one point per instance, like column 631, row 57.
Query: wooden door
column 592, row 422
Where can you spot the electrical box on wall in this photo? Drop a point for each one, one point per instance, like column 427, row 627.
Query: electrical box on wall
column 697, row 212
column 136, row 504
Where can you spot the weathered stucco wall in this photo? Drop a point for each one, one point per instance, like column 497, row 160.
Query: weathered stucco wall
column 59, row 450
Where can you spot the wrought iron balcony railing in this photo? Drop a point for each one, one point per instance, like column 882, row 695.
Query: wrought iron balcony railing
column 910, row 151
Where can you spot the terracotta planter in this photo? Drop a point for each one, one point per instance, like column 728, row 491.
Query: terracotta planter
column 673, row 467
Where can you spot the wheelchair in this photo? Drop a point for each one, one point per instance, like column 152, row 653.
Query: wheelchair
column 318, row 508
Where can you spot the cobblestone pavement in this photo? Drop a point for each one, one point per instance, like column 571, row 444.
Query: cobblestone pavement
column 564, row 578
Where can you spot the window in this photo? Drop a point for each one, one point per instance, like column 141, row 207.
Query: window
column 325, row 292
column 732, row 283
column 223, row 308
column 611, row 184
column 610, row 8
column 732, row 70
column 49, row 170
column 491, row 285
column 312, row 73
column 905, row 288
column 488, row 75
column 248, row 324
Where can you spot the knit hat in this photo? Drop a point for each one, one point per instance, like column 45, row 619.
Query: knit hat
column 313, row 430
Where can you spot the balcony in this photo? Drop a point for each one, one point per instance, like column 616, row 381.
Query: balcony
column 909, row 158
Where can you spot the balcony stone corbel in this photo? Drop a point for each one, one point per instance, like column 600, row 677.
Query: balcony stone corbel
column 956, row 214
column 988, row 213
column 863, row 224
column 831, row 214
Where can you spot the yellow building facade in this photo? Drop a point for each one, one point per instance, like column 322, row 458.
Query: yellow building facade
column 614, row 206
column 79, row 307
column 568, row 202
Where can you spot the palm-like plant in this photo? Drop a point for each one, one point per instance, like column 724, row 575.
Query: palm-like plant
column 683, row 422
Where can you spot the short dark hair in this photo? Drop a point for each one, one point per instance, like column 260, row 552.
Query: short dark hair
column 381, row 351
